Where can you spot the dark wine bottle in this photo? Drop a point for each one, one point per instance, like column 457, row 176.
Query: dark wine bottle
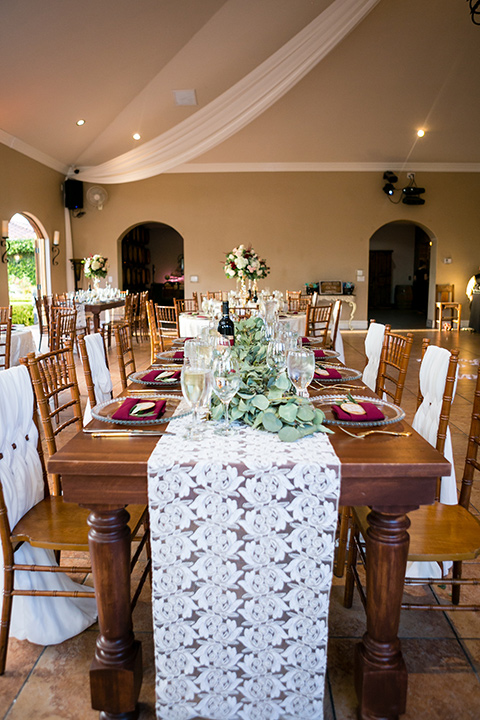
column 225, row 326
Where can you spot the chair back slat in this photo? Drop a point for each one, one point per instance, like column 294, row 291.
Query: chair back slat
column 471, row 458
column 5, row 336
column 317, row 322
column 125, row 355
column 393, row 366
column 155, row 342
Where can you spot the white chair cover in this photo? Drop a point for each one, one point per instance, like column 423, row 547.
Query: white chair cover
column 337, row 308
column 101, row 377
column 433, row 375
column 373, row 351
column 41, row 620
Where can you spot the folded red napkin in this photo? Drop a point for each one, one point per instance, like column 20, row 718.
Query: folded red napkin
column 372, row 412
column 154, row 376
column 178, row 355
column 332, row 374
column 123, row 412
column 305, row 341
column 319, row 353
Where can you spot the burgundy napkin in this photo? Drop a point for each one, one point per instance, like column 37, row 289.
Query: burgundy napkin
column 319, row 353
column 305, row 341
column 332, row 374
column 373, row 412
column 153, row 376
column 178, row 355
column 123, row 412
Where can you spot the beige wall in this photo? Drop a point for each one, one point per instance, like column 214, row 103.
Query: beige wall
column 27, row 186
column 309, row 226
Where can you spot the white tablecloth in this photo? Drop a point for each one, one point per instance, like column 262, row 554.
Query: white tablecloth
column 243, row 534
column 22, row 343
column 191, row 325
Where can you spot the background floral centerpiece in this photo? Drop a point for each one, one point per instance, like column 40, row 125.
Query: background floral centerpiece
column 244, row 263
column 95, row 266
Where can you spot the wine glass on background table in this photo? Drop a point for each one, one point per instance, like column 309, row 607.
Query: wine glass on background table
column 196, row 381
column 301, row 369
column 226, row 382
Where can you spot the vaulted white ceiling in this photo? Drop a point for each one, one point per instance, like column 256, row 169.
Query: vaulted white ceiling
column 116, row 63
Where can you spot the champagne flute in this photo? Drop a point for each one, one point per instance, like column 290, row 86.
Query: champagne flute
column 196, row 384
column 226, row 382
column 277, row 355
column 301, row 369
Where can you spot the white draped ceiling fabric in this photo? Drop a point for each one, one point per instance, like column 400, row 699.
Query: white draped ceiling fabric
column 239, row 105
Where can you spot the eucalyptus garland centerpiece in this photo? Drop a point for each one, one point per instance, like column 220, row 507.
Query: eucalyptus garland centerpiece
column 266, row 401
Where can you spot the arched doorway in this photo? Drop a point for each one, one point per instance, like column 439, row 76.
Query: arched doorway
column 152, row 258
column 400, row 262
column 27, row 271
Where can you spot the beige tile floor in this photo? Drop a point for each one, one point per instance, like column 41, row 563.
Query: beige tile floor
column 442, row 650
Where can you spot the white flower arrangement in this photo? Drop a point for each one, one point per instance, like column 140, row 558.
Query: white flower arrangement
column 244, row 263
column 95, row 266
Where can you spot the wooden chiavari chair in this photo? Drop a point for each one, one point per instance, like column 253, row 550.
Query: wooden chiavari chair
column 186, row 305
column 63, row 326
column 300, row 304
column 293, row 295
column 211, row 295
column 317, row 322
column 87, row 366
column 438, row 532
column 391, row 376
column 141, row 323
column 240, row 313
column 5, row 336
column 125, row 356
column 155, row 342
column 166, row 324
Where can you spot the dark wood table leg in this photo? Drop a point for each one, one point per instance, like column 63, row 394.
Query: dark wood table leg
column 96, row 321
column 380, row 672
column 116, row 671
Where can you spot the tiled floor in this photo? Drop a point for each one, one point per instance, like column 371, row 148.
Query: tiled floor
column 441, row 650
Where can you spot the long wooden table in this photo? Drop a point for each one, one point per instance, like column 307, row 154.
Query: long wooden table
column 391, row 475
column 98, row 307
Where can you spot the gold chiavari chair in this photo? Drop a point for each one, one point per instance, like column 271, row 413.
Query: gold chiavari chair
column 293, row 295
column 125, row 355
column 167, row 325
column 155, row 342
column 318, row 321
column 240, row 313
column 300, row 304
column 5, row 336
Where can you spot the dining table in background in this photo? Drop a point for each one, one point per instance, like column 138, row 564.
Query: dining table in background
column 96, row 308
column 192, row 324
column 21, row 344
column 348, row 299
column 391, row 475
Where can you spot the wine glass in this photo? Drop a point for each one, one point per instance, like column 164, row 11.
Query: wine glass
column 277, row 355
column 196, row 384
column 226, row 382
column 301, row 369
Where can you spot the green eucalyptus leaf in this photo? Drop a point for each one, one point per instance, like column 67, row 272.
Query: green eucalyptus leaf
column 306, row 413
column 282, row 382
column 260, row 402
column 271, row 422
column 288, row 412
column 289, row 434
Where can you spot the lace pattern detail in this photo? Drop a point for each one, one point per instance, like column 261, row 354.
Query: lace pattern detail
column 243, row 532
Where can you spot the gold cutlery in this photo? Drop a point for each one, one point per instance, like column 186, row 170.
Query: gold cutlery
column 372, row 432
column 125, row 433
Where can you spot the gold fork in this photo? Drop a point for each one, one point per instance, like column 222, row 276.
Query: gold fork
column 371, row 432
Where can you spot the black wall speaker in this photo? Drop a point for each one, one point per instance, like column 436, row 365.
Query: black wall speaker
column 73, row 193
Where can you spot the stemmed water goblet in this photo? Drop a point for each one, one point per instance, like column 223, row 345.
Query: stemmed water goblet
column 301, row 369
column 277, row 355
column 226, row 382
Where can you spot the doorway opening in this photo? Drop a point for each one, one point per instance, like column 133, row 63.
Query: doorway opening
column 27, row 267
column 152, row 259
column 399, row 275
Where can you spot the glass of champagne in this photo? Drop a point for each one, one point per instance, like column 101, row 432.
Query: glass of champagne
column 277, row 355
column 196, row 381
column 301, row 369
column 226, row 382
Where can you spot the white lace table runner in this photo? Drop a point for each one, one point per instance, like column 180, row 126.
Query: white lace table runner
column 243, row 534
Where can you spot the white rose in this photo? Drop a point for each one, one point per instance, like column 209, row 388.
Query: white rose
column 241, row 263
column 96, row 265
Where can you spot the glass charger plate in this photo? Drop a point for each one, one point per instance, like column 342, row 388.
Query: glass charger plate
column 138, row 377
column 346, row 373
column 169, row 355
column 329, row 354
column 392, row 413
column 104, row 411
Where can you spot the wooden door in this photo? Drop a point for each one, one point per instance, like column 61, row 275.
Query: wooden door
column 380, row 279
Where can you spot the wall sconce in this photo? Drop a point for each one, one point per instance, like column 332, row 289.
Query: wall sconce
column 55, row 247
column 4, row 241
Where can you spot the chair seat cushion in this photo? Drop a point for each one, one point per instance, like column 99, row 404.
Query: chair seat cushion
column 437, row 532
column 58, row 525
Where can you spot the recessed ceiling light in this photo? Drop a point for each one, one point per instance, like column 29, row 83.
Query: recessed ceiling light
column 80, row 122
column 136, row 136
column 421, row 132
